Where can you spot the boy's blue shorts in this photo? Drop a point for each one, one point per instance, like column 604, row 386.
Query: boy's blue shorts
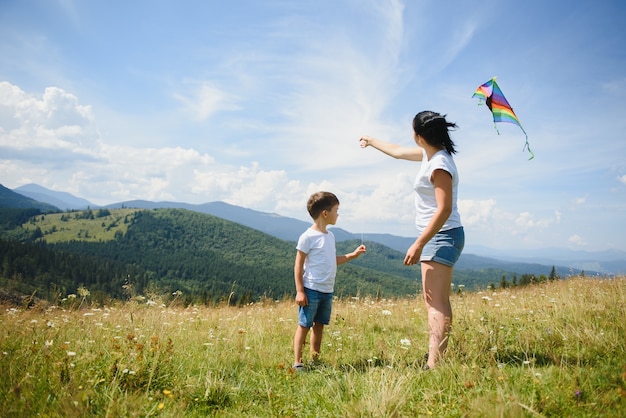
column 317, row 311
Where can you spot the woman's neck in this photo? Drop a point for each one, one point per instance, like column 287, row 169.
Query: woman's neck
column 430, row 150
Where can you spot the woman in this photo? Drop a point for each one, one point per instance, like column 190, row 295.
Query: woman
column 440, row 234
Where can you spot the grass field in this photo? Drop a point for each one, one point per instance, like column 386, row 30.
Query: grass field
column 84, row 225
column 555, row 349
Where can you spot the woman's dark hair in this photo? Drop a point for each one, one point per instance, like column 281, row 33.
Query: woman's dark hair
column 434, row 129
column 319, row 202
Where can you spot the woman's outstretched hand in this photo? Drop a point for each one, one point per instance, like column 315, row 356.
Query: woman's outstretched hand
column 365, row 141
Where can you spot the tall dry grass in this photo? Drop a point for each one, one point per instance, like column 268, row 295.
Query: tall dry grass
column 556, row 349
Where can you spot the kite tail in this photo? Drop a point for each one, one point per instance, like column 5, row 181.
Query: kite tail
column 527, row 145
column 496, row 127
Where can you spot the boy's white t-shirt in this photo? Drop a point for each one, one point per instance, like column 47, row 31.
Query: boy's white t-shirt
column 320, row 264
column 425, row 201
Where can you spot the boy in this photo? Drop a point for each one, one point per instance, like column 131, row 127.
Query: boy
column 314, row 271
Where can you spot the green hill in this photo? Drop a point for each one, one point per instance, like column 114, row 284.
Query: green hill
column 124, row 253
column 169, row 250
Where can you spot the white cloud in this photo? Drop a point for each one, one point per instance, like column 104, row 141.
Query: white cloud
column 327, row 88
column 114, row 173
column 247, row 186
column 622, row 179
column 152, row 173
column 577, row 240
column 373, row 204
column 56, row 121
column 205, row 100
column 393, row 24
column 476, row 212
column 526, row 221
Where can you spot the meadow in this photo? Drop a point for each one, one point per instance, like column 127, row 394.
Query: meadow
column 550, row 349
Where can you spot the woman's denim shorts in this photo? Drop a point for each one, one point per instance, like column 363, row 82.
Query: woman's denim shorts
column 445, row 247
column 317, row 311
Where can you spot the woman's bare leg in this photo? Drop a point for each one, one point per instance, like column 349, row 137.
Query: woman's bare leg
column 436, row 281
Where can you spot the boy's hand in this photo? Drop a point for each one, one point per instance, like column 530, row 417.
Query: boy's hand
column 361, row 249
column 351, row 256
column 301, row 299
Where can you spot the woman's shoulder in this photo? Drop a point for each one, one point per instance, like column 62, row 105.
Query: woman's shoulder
column 444, row 156
column 443, row 160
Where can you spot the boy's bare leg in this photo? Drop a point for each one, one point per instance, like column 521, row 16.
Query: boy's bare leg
column 316, row 340
column 298, row 342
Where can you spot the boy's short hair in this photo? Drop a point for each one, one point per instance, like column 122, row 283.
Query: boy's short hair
column 319, row 202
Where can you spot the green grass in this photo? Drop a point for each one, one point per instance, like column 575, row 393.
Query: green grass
column 68, row 226
column 556, row 349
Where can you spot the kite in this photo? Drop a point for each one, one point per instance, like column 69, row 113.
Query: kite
column 502, row 111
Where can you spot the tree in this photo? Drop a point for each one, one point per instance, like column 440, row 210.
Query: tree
column 553, row 276
column 37, row 233
column 503, row 283
column 102, row 213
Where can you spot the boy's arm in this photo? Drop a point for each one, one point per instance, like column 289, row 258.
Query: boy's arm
column 298, row 273
column 342, row 259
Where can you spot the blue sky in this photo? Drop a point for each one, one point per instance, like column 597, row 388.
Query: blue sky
column 259, row 104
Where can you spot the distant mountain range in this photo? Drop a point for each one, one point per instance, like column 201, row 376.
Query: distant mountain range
column 15, row 200
column 61, row 200
column 538, row 261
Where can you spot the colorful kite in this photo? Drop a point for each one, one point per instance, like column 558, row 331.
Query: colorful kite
column 501, row 109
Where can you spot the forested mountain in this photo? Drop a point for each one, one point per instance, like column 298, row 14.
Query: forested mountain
column 289, row 229
column 478, row 260
column 125, row 253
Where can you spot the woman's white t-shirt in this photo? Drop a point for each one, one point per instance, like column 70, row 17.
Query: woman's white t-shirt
column 425, row 201
column 320, row 264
